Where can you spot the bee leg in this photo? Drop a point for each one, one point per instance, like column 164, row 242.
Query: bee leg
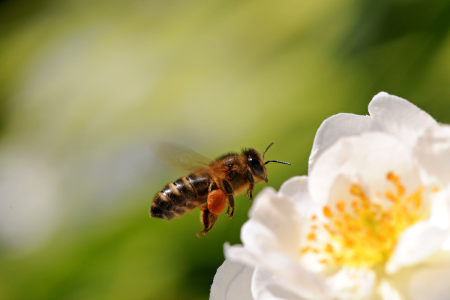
column 229, row 190
column 231, row 204
column 250, row 191
column 252, row 185
column 208, row 220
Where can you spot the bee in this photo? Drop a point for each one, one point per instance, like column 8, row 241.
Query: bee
column 211, row 185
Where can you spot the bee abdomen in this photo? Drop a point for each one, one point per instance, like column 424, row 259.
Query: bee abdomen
column 179, row 197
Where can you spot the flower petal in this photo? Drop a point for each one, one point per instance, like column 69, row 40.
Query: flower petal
column 276, row 219
column 352, row 283
column 433, row 152
column 424, row 238
column 416, row 244
column 440, row 209
column 367, row 158
column 265, row 286
column 291, row 274
column 296, row 190
column 336, row 127
column 399, row 117
column 388, row 113
column 232, row 282
column 388, row 291
column 431, row 282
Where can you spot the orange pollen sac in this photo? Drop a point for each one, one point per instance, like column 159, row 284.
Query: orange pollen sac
column 216, row 201
column 361, row 232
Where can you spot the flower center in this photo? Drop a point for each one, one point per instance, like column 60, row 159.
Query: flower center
column 362, row 233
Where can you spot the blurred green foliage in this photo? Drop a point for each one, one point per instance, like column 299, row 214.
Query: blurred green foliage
column 85, row 86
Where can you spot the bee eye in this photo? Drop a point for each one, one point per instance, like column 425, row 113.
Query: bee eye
column 255, row 165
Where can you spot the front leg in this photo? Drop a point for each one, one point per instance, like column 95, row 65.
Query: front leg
column 229, row 191
column 252, row 184
column 249, row 192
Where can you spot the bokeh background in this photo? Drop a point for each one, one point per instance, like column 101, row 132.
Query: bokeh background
column 86, row 86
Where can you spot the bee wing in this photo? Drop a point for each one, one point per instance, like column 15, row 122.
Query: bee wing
column 179, row 157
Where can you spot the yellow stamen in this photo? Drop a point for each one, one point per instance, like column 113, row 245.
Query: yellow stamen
column 305, row 250
column 327, row 211
column 364, row 233
column 311, row 236
column 340, row 206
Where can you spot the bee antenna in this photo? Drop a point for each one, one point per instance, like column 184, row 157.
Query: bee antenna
column 267, row 149
column 277, row 161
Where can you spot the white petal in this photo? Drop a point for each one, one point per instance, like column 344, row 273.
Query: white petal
column 424, row 238
column 232, row 282
column 296, row 190
column 336, row 127
column 400, row 117
column 276, row 219
column 269, row 206
column 369, row 157
column 431, row 283
column 416, row 244
column 259, row 238
column 440, row 209
column 296, row 278
column 387, row 291
column 390, row 114
column 265, row 286
column 351, row 283
column 240, row 254
column 433, row 152
column 440, row 215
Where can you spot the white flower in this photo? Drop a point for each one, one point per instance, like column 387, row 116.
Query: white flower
column 372, row 220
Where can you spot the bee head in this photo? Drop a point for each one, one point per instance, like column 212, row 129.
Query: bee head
column 257, row 165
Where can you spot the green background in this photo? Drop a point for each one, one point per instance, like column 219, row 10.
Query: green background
column 86, row 86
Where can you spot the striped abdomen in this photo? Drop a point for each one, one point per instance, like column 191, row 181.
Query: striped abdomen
column 181, row 196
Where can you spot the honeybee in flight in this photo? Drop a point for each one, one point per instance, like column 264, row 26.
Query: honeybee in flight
column 211, row 186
